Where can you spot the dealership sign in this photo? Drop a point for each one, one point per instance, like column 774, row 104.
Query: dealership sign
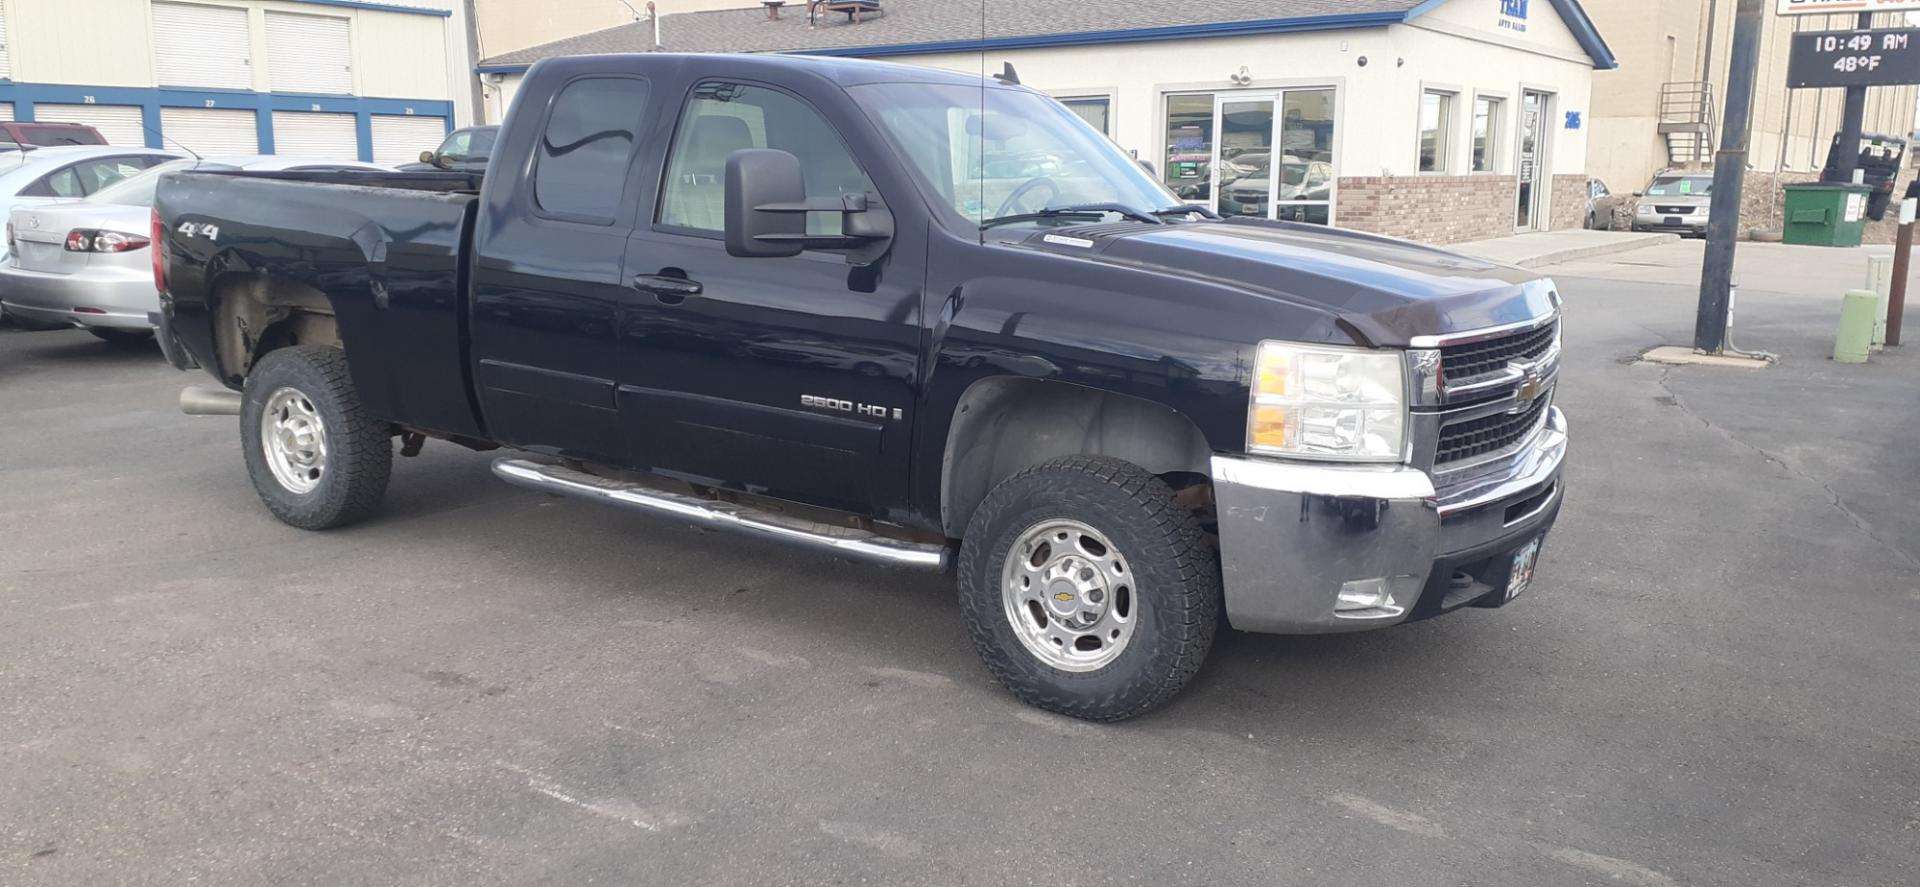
column 1886, row 57
column 1823, row 7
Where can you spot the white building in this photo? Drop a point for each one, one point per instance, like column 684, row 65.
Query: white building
column 1444, row 120
column 378, row 80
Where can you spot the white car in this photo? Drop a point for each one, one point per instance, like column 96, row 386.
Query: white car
column 88, row 263
column 57, row 173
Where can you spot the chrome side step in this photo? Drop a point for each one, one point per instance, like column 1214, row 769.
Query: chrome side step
column 844, row 541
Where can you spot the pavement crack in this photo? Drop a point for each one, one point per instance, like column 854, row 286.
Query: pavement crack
column 1834, row 499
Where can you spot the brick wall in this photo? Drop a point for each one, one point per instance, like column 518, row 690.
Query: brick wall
column 1450, row 209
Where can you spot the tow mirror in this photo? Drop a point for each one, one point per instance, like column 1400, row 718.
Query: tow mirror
column 766, row 207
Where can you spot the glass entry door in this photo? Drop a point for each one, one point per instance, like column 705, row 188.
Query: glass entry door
column 1532, row 160
column 1265, row 155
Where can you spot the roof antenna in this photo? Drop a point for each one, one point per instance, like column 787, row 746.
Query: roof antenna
column 1008, row 74
column 176, row 142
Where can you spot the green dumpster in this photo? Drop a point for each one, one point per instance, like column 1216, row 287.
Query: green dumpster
column 1826, row 214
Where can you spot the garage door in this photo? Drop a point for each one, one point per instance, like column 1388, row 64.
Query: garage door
column 119, row 124
column 315, row 136
column 308, row 53
column 211, row 133
column 197, row 45
column 400, row 139
column 6, row 110
column 6, row 46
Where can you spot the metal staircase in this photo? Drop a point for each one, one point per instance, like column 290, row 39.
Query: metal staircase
column 1686, row 121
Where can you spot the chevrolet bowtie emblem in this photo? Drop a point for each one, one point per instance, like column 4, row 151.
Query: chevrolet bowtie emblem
column 1063, row 597
column 1529, row 390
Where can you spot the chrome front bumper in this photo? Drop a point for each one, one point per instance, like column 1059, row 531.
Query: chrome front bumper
column 1293, row 534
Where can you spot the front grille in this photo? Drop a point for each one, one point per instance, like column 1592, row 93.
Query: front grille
column 1673, row 210
column 1465, row 363
column 1489, row 434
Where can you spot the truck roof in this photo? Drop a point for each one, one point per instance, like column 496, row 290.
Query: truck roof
column 843, row 71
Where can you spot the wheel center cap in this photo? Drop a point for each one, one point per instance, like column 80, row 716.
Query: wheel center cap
column 1063, row 597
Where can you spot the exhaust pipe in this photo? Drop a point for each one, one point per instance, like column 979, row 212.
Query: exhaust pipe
column 202, row 401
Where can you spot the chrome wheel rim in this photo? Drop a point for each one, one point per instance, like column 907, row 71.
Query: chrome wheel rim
column 294, row 440
column 1068, row 594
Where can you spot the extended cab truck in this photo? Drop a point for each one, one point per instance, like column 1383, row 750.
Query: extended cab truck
column 910, row 317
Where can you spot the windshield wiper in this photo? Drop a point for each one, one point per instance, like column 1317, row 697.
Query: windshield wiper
column 1083, row 209
column 1188, row 208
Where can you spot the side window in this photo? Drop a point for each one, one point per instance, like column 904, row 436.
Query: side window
column 726, row 117
column 580, row 166
column 59, row 183
column 455, row 147
column 97, row 174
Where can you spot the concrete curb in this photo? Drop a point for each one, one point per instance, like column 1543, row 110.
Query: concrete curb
column 1518, row 251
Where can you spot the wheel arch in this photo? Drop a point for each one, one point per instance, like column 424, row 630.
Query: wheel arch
column 1004, row 424
column 258, row 313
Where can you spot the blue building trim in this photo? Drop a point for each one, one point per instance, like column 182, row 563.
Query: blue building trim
column 379, row 7
column 25, row 96
column 1570, row 12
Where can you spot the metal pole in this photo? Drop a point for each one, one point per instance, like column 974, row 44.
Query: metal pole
column 1853, row 113
column 1902, row 251
column 1729, row 173
column 479, row 97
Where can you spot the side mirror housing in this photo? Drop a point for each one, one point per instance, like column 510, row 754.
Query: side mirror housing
column 427, row 157
column 757, row 178
column 766, row 206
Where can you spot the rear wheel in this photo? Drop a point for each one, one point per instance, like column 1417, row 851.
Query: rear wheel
column 315, row 456
column 1089, row 590
column 121, row 337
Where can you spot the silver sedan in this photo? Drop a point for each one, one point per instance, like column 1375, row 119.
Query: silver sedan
column 89, row 263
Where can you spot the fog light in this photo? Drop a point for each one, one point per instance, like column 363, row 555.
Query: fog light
column 1366, row 599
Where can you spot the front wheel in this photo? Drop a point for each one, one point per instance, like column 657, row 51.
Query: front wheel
column 1088, row 588
column 316, row 457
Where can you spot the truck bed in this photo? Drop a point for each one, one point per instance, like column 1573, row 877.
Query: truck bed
column 383, row 250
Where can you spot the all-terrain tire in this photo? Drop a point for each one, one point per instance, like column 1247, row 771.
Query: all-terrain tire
column 1175, row 586
column 359, row 448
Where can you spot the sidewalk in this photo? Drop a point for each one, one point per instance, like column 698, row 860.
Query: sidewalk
column 1547, row 247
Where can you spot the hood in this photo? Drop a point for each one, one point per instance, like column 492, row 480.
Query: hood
column 50, row 222
column 1384, row 291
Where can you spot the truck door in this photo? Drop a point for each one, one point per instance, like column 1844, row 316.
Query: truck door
column 788, row 376
column 548, row 283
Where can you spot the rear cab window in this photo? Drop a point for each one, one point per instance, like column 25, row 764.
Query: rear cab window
column 581, row 161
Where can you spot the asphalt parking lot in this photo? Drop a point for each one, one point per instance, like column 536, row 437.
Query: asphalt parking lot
column 1714, row 681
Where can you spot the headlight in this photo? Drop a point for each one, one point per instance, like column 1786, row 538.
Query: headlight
column 1325, row 402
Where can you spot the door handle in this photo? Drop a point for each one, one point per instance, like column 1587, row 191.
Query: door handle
column 669, row 290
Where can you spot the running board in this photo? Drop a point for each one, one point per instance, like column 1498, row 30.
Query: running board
column 844, row 541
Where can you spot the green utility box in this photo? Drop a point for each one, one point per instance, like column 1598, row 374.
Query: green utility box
column 1826, row 214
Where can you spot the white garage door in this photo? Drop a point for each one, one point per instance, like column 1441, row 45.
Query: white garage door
column 197, row 45
column 6, row 46
column 6, row 110
column 308, row 53
column 119, row 124
column 400, row 139
column 316, row 136
column 210, row 132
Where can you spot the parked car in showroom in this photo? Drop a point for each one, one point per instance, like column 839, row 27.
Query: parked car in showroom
column 85, row 263
column 1676, row 202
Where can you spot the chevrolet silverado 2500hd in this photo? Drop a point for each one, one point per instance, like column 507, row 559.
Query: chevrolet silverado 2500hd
column 905, row 316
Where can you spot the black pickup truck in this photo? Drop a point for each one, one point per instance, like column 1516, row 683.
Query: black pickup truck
column 904, row 316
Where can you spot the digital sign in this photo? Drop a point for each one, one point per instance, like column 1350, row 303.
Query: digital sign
column 1889, row 57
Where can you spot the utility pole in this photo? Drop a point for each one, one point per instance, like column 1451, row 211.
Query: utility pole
column 1851, row 115
column 472, row 54
column 1729, row 173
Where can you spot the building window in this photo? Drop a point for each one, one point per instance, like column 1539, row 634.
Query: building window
column 1436, row 121
column 1097, row 111
column 1486, row 133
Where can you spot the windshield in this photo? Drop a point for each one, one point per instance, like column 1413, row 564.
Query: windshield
column 999, row 153
column 138, row 190
column 1680, row 186
column 468, row 144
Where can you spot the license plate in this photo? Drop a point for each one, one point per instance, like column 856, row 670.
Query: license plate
column 1521, row 575
column 1674, row 220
